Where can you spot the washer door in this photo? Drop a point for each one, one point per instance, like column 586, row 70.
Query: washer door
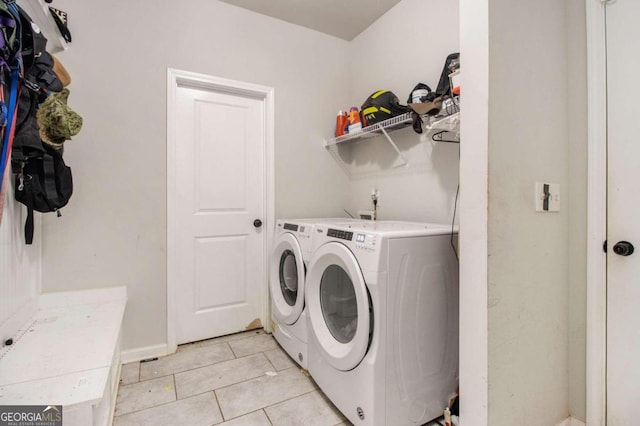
column 338, row 306
column 286, row 278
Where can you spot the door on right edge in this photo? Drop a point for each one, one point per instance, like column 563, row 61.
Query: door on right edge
column 623, row 213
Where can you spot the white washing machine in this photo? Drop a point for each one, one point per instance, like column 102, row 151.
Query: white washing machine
column 287, row 266
column 382, row 301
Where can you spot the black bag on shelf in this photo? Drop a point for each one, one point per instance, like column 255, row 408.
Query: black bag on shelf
column 451, row 64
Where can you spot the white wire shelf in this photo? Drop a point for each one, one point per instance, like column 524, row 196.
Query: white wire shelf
column 449, row 123
column 394, row 123
column 436, row 126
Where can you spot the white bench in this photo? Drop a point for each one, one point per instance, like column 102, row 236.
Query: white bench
column 68, row 354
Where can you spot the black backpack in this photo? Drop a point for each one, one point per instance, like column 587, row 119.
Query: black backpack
column 43, row 184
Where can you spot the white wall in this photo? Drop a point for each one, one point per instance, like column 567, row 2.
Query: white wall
column 19, row 267
column 577, row 202
column 114, row 230
column 528, row 252
column 406, row 46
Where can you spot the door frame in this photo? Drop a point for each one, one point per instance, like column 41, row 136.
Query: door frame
column 176, row 78
column 596, row 311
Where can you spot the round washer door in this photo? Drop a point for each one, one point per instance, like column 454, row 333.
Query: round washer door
column 286, row 279
column 338, row 306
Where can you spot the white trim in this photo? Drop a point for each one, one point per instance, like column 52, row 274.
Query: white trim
column 596, row 214
column 179, row 77
column 571, row 421
column 146, row 352
column 474, row 181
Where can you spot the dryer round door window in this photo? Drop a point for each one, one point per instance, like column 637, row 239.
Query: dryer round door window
column 338, row 306
column 286, row 279
column 338, row 303
column 289, row 277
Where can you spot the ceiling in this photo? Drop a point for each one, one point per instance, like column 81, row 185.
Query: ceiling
column 341, row 18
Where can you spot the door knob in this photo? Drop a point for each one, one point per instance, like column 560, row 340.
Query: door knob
column 258, row 223
column 623, row 248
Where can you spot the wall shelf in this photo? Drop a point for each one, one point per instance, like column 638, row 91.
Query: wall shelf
column 432, row 125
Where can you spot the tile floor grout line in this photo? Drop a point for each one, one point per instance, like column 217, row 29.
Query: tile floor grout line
column 142, row 409
column 232, row 351
column 235, row 356
column 219, row 406
column 269, row 361
column 297, row 396
column 220, row 362
column 175, row 389
column 277, row 403
column 247, row 380
column 267, row 415
column 242, row 381
column 194, row 368
column 198, row 347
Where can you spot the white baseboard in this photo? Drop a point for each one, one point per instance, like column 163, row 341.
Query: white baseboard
column 570, row 421
column 138, row 354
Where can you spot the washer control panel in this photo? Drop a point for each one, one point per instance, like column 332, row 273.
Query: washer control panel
column 366, row 241
column 343, row 235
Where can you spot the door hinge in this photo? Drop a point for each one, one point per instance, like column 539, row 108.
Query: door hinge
column 604, row 246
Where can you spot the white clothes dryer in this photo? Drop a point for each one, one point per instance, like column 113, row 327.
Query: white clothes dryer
column 382, row 300
column 289, row 257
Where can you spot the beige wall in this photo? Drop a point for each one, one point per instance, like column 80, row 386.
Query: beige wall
column 536, row 260
column 114, row 230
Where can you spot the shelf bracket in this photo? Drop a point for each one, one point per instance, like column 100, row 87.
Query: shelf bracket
column 404, row 160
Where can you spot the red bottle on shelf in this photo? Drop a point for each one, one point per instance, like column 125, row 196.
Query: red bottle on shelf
column 342, row 121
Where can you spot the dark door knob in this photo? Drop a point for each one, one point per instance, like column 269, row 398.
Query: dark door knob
column 623, row 248
column 257, row 223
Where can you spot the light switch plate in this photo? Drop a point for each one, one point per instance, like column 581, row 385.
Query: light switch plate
column 553, row 196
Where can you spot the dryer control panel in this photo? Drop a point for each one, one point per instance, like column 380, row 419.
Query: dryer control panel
column 337, row 233
column 301, row 231
column 291, row 227
column 366, row 241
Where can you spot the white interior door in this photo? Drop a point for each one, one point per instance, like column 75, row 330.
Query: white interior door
column 623, row 216
column 218, row 196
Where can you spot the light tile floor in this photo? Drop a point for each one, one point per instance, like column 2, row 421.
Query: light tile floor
column 244, row 379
